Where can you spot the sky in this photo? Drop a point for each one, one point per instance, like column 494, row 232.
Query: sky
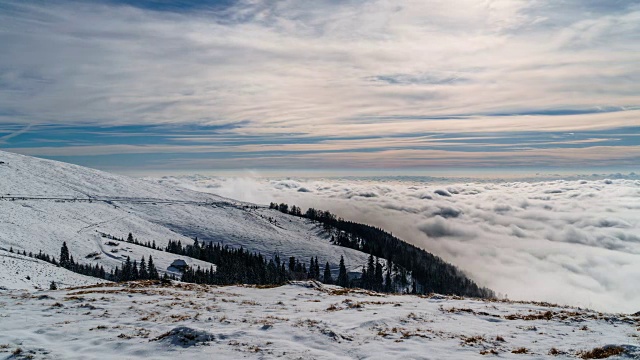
column 370, row 87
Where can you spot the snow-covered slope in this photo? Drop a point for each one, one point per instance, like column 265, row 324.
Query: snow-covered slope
column 22, row 272
column 298, row 321
column 45, row 203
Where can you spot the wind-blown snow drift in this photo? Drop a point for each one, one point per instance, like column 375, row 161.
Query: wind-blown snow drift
column 574, row 242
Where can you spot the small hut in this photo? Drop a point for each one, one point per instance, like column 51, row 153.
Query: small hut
column 179, row 264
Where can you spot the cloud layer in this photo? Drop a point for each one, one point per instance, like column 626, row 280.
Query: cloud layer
column 573, row 242
column 310, row 80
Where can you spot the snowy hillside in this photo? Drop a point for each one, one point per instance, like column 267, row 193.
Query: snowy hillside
column 22, row 272
column 45, row 203
column 298, row 321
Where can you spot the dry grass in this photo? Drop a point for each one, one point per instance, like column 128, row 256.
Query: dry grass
column 473, row 340
column 489, row 352
column 409, row 334
column 459, row 310
column 547, row 315
column 602, row 352
column 353, row 304
column 556, row 352
column 347, row 291
column 249, row 302
column 521, row 350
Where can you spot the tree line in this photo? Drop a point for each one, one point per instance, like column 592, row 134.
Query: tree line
column 240, row 266
column 129, row 270
column 429, row 273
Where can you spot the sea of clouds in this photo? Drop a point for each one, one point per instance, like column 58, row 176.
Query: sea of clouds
column 574, row 242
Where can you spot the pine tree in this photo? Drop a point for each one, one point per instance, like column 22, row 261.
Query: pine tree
column 130, row 238
column 371, row 273
column 311, row 274
column 388, row 286
column 151, row 269
column 125, row 275
column 292, row 264
column 378, row 276
column 65, row 260
column 316, row 269
column 53, row 285
column 343, row 279
column 327, row 274
column 143, row 273
column 134, row 271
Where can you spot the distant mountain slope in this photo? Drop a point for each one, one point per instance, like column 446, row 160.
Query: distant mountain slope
column 45, row 203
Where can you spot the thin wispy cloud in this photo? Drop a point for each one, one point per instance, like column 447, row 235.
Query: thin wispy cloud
column 327, row 69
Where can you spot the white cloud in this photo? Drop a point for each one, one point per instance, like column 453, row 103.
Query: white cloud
column 290, row 67
column 566, row 241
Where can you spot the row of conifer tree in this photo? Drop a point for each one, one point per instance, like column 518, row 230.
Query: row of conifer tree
column 129, row 270
column 429, row 273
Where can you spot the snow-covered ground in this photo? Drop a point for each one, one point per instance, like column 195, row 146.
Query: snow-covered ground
column 22, row 272
column 297, row 321
column 45, row 203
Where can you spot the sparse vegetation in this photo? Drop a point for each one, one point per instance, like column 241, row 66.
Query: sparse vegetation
column 602, row 352
column 555, row 352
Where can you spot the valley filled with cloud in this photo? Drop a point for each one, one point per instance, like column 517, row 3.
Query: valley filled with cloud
column 574, row 242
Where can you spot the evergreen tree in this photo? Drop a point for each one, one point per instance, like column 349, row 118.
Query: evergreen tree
column 378, row 276
column 292, row 264
column 327, row 274
column 65, row 260
column 343, row 279
column 311, row 274
column 151, row 269
column 130, row 238
column 371, row 273
column 125, row 274
column 388, row 286
column 143, row 273
column 53, row 285
column 134, row 271
column 316, row 269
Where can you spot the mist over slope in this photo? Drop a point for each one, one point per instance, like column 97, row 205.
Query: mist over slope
column 569, row 241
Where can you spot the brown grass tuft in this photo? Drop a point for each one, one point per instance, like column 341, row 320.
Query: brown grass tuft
column 521, row 350
column 602, row 352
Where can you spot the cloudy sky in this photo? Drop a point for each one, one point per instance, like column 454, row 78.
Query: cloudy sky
column 144, row 86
